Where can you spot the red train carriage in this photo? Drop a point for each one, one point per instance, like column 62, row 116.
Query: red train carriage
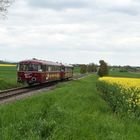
column 66, row 71
column 40, row 71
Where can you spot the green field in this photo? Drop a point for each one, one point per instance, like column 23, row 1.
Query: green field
column 76, row 69
column 116, row 73
column 73, row 111
column 8, row 78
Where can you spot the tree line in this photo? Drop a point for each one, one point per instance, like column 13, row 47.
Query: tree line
column 101, row 70
column 88, row 68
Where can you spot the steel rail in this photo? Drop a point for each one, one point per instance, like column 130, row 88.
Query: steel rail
column 18, row 91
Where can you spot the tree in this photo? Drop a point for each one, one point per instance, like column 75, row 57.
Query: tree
column 83, row 69
column 103, row 69
column 4, row 4
column 92, row 67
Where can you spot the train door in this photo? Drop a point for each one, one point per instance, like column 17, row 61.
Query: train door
column 62, row 72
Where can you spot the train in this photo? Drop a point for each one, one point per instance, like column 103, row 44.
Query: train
column 40, row 71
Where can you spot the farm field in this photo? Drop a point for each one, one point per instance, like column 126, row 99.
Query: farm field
column 76, row 70
column 122, row 94
column 8, row 76
column 116, row 73
column 73, row 111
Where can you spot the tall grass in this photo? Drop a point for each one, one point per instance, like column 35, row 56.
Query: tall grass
column 73, row 111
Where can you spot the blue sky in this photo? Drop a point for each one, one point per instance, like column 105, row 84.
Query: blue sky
column 72, row 31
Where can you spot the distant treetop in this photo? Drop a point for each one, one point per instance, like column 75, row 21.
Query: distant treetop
column 103, row 69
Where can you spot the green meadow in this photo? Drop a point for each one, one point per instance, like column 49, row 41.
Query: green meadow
column 76, row 69
column 73, row 111
column 8, row 77
column 116, row 73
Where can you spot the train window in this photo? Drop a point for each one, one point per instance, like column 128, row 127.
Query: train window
column 58, row 68
column 49, row 68
column 22, row 67
column 43, row 67
column 53, row 68
column 68, row 69
column 71, row 69
column 34, row 67
column 38, row 68
column 31, row 67
column 62, row 69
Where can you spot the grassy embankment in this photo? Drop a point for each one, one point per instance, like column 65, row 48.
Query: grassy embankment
column 73, row 111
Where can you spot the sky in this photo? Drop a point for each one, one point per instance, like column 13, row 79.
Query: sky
column 72, row 31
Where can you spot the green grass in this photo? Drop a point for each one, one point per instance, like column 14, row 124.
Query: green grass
column 7, row 72
column 8, row 77
column 116, row 73
column 73, row 111
column 76, row 69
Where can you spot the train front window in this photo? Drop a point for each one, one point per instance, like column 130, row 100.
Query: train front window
column 29, row 67
column 22, row 67
column 34, row 67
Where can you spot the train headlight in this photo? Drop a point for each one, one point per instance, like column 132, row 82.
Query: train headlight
column 19, row 79
column 33, row 79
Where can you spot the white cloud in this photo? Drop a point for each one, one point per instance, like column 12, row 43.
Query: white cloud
column 72, row 31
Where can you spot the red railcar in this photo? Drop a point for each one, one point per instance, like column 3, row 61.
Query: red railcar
column 40, row 71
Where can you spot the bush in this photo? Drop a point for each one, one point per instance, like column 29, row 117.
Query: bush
column 83, row 69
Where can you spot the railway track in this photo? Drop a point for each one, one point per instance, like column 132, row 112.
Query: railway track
column 15, row 92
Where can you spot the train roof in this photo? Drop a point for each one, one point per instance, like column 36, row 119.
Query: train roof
column 36, row 61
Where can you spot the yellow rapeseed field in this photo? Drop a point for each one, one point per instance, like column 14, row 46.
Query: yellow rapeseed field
column 7, row 65
column 123, row 82
column 121, row 92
